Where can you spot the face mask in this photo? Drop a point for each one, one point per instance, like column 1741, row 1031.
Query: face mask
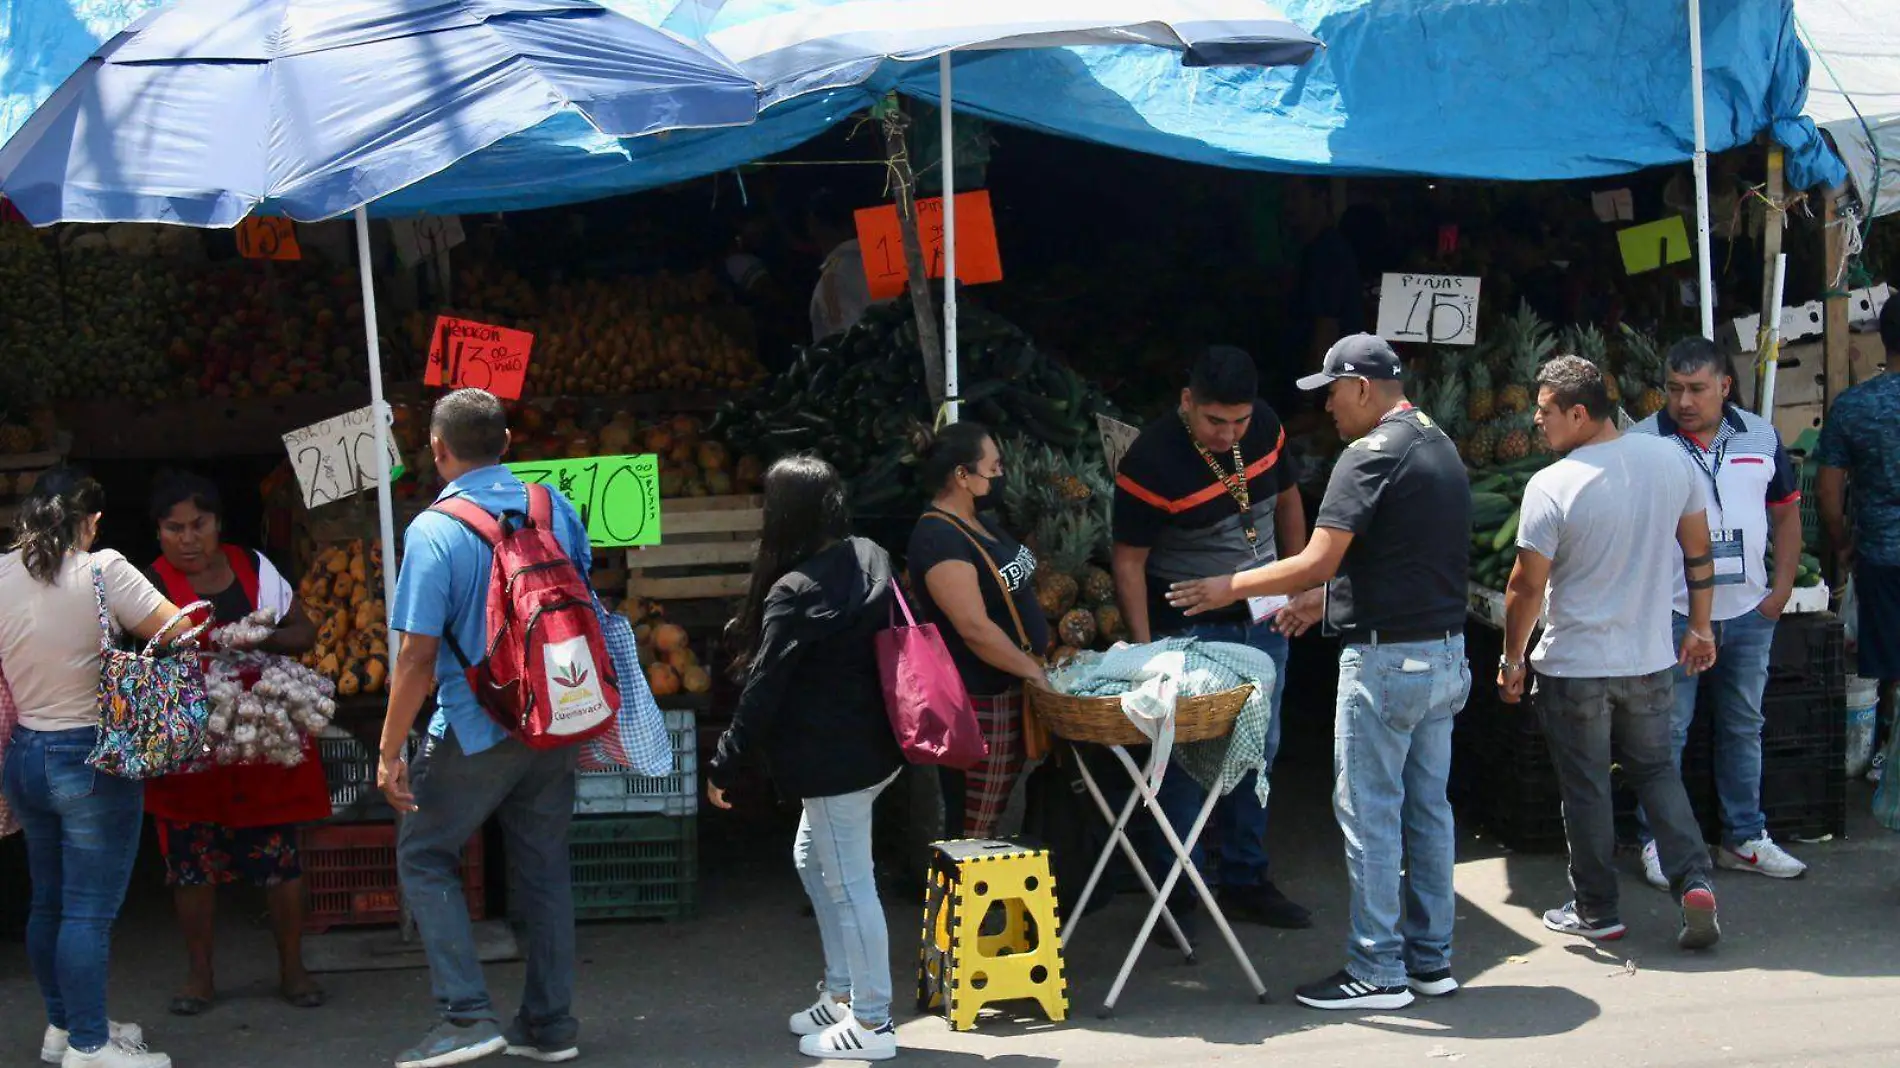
column 992, row 500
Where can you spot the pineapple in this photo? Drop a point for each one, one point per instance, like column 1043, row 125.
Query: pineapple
column 1478, row 446
column 1643, row 373
column 1055, row 590
column 1515, row 442
column 1108, row 624
column 1098, row 586
column 1066, row 543
column 1528, row 343
column 1077, row 628
column 1480, row 402
column 1588, row 342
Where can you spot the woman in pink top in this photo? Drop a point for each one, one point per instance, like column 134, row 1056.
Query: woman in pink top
column 82, row 825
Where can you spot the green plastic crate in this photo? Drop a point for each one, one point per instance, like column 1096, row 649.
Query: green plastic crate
column 636, row 867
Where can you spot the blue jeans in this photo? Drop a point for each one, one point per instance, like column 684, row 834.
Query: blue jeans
column 833, row 855
column 82, row 834
column 532, row 793
column 1391, row 757
column 1737, row 682
column 1239, row 822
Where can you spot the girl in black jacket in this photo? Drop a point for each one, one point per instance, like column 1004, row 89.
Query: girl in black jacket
column 813, row 706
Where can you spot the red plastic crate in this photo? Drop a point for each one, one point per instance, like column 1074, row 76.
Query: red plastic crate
column 350, row 877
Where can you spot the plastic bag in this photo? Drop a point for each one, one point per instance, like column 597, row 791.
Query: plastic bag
column 1850, row 615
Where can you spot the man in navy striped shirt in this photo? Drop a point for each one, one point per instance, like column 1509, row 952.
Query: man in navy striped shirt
column 1749, row 484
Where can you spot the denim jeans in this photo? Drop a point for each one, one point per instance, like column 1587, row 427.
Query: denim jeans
column 1239, row 822
column 532, row 792
column 1391, row 758
column 833, row 855
column 82, row 834
column 1582, row 719
column 1737, row 682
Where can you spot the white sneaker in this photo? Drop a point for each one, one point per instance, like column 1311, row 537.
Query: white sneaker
column 117, row 1053
column 53, row 1046
column 1762, row 856
column 1652, row 868
column 824, row 1015
column 849, row 1042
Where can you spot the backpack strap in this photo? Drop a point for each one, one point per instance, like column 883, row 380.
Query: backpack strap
column 540, row 506
column 473, row 516
column 1022, row 632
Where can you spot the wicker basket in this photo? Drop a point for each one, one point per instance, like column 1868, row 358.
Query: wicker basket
column 1100, row 720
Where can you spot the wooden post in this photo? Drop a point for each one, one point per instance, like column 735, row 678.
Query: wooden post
column 893, row 123
column 1834, row 340
column 1774, row 221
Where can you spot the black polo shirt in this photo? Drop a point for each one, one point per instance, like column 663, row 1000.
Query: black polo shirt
column 1169, row 502
column 1401, row 492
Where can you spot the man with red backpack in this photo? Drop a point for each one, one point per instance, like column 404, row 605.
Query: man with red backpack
column 492, row 604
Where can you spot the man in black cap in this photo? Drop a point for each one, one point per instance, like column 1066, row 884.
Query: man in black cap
column 1392, row 548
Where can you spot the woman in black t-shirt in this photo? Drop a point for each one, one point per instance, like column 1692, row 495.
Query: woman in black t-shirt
column 975, row 582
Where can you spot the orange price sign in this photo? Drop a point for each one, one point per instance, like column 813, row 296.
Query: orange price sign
column 880, row 240
column 268, row 237
column 467, row 353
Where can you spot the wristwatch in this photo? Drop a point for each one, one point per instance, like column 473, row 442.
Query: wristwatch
column 1507, row 664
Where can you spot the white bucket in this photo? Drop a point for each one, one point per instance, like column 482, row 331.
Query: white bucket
column 1863, row 702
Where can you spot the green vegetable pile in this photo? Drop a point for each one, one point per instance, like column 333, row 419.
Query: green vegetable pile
column 859, row 400
column 1495, row 498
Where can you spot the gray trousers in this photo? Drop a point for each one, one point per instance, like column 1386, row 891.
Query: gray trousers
column 1583, row 719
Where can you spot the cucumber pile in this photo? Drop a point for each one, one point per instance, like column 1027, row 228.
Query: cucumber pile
column 1496, row 494
column 1807, row 576
column 859, row 401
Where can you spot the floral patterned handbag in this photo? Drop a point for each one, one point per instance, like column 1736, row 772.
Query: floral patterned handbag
column 152, row 705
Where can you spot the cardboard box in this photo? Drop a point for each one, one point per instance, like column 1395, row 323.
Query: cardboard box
column 1794, row 420
column 1803, row 322
column 1799, row 375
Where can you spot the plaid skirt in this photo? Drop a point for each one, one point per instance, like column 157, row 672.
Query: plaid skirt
column 987, row 786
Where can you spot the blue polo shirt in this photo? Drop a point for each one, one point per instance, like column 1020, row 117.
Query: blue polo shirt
column 442, row 589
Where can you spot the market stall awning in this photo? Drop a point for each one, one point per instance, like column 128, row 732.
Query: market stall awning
column 1854, row 96
column 205, row 110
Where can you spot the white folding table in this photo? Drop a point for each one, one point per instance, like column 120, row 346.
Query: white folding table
column 1144, row 795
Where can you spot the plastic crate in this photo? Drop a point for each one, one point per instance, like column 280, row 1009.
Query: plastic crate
column 640, row 867
column 350, row 877
column 1810, row 651
column 621, row 792
column 1804, row 799
column 350, row 768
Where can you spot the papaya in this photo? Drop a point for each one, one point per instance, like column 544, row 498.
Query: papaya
column 669, row 636
column 349, row 684
column 374, row 673
column 328, row 666
column 663, row 680
column 695, row 679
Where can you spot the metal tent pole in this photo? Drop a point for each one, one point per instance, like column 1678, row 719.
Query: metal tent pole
column 947, row 159
column 1706, row 269
column 385, row 505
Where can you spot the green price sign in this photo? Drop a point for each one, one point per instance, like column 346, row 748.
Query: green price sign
column 618, row 496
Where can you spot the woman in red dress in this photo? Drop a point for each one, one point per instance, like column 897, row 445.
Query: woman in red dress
column 233, row 823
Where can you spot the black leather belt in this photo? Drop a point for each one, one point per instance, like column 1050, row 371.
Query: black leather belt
column 1396, row 637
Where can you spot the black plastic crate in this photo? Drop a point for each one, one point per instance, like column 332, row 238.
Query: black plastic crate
column 1804, row 715
column 1809, row 650
column 1805, row 801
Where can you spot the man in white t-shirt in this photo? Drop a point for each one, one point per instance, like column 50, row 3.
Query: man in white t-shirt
column 1749, row 482
column 843, row 294
column 1597, row 544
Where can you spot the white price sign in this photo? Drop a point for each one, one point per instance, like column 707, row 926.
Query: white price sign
column 337, row 457
column 1437, row 309
column 425, row 237
column 1117, row 436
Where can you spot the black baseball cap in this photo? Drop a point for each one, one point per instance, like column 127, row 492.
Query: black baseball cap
column 1359, row 356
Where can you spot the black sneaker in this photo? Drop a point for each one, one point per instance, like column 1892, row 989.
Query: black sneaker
column 1434, row 984
column 1342, row 991
column 1263, row 904
column 1700, row 929
column 1568, row 920
column 548, row 1045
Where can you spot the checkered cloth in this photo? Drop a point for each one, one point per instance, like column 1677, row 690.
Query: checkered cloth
column 1212, row 667
column 987, row 786
column 638, row 741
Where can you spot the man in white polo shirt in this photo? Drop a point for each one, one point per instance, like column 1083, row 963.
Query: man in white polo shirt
column 1749, row 484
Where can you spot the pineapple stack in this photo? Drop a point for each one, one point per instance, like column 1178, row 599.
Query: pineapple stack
column 1060, row 502
column 1642, row 374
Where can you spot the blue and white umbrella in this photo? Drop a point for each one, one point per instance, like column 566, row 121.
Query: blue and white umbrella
column 792, row 47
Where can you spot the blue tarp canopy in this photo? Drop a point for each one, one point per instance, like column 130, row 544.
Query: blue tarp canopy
column 1508, row 89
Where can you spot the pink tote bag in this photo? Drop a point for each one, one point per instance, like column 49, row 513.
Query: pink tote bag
column 9, row 716
column 924, row 695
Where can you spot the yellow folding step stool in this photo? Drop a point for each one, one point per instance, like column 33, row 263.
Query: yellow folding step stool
column 964, row 969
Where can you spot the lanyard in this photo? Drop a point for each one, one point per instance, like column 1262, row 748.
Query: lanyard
column 1720, row 453
column 1235, row 484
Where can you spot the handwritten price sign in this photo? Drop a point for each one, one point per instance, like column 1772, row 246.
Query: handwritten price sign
column 618, row 496
column 881, row 243
column 268, row 237
column 336, row 458
column 1117, row 436
column 1435, row 309
column 465, row 353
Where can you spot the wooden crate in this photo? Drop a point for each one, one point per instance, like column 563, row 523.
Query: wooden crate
column 707, row 548
column 18, row 472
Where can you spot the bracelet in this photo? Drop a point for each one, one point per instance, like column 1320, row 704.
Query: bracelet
column 1710, row 638
column 1506, row 664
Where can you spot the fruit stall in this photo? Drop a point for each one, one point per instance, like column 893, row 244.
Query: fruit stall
column 1503, row 762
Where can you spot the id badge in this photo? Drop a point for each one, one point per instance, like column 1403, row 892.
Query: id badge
column 1731, row 564
column 1264, row 608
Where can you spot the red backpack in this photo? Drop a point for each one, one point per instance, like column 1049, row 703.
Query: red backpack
column 545, row 674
